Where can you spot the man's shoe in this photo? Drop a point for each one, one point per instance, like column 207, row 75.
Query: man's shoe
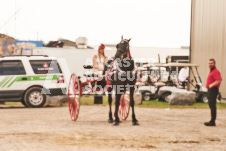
column 210, row 124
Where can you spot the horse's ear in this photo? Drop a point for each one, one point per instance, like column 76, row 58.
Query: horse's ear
column 129, row 39
column 122, row 37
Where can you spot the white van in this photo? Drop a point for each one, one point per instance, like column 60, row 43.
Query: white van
column 28, row 79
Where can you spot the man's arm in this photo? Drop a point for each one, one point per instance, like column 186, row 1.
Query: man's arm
column 214, row 84
column 217, row 78
column 181, row 75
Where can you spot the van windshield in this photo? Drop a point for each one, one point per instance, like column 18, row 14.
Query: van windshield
column 45, row 66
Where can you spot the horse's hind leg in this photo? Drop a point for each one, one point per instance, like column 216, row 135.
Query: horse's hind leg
column 134, row 120
column 117, row 121
column 110, row 120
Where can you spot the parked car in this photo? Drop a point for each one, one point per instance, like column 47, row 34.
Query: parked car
column 28, row 79
column 55, row 44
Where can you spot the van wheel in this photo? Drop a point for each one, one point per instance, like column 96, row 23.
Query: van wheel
column 34, row 97
column 24, row 103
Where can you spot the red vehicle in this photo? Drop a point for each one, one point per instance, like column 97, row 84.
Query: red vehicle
column 77, row 89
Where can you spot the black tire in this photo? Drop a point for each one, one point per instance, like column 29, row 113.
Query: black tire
column 204, row 98
column 146, row 96
column 164, row 95
column 34, row 98
column 24, row 103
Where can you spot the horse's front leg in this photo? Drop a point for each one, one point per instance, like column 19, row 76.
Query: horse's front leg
column 117, row 121
column 134, row 120
column 110, row 120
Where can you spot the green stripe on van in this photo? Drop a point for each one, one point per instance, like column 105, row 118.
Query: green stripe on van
column 7, row 82
column 34, row 78
column 1, row 83
column 41, row 77
column 4, row 80
column 12, row 82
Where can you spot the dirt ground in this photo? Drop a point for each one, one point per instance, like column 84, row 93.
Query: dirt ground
column 51, row 128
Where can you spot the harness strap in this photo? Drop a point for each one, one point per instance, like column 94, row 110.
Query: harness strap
column 108, row 81
column 114, row 66
column 108, row 74
column 128, row 54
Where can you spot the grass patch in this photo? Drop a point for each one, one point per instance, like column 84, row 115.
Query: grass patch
column 13, row 103
column 89, row 100
column 196, row 105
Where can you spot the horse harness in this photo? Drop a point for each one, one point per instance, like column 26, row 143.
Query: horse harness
column 114, row 68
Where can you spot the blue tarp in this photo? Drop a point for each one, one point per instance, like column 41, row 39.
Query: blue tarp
column 35, row 43
column 13, row 46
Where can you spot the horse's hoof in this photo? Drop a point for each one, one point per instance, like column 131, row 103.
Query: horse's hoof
column 135, row 123
column 116, row 123
column 110, row 120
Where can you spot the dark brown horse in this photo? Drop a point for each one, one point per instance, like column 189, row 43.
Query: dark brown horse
column 121, row 78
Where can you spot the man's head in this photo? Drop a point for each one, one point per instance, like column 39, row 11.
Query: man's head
column 185, row 67
column 212, row 63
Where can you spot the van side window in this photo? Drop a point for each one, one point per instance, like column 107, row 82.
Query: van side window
column 45, row 66
column 12, row 67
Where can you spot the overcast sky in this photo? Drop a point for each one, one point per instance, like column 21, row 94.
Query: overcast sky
column 150, row 23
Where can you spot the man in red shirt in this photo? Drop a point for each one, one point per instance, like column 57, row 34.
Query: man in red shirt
column 213, row 84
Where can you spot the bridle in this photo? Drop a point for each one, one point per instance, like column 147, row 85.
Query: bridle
column 128, row 51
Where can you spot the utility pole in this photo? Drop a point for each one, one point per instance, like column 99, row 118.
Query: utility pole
column 37, row 35
column 9, row 19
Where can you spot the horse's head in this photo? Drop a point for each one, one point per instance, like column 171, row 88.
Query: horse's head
column 123, row 49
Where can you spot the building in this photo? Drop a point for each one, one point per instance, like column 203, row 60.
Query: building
column 6, row 41
column 82, row 42
column 208, row 37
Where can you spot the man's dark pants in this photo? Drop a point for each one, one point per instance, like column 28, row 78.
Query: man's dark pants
column 184, row 84
column 212, row 97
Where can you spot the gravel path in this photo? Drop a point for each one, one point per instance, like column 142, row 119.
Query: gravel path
column 160, row 129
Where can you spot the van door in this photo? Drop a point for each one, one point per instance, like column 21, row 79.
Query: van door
column 47, row 72
column 10, row 70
